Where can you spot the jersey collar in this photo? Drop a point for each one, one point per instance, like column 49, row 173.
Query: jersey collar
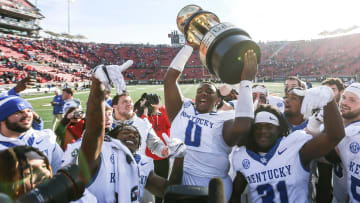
column 266, row 158
column 296, row 127
column 197, row 113
column 352, row 123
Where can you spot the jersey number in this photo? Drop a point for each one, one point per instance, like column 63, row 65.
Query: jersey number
column 355, row 183
column 192, row 136
column 268, row 195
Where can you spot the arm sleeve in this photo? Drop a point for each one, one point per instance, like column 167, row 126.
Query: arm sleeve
column 154, row 143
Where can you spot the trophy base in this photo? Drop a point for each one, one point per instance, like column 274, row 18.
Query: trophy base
column 225, row 58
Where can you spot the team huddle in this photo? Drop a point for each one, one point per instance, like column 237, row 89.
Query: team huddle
column 264, row 148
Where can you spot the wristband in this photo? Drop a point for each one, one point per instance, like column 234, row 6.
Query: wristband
column 178, row 63
column 245, row 106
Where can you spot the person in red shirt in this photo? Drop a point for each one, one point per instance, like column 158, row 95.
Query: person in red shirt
column 157, row 116
column 71, row 127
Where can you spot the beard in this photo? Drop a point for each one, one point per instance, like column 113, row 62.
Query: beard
column 15, row 126
column 351, row 115
column 126, row 114
column 289, row 114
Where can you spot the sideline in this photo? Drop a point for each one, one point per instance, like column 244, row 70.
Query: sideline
column 51, row 96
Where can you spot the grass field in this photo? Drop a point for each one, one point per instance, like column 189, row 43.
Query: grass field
column 41, row 103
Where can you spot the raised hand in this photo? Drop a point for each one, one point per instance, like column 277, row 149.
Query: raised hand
column 315, row 121
column 23, row 84
column 250, row 66
column 112, row 75
column 316, row 98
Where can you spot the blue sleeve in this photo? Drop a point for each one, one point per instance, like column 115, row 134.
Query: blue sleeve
column 109, row 102
column 62, row 102
column 12, row 92
column 38, row 126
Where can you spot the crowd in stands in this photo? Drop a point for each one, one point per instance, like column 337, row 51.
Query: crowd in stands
column 20, row 5
column 331, row 56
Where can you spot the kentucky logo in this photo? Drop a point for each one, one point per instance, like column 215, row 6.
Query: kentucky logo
column 30, row 141
column 354, row 147
column 246, row 163
column 263, row 160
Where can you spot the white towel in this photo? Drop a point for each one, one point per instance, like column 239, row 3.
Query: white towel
column 127, row 175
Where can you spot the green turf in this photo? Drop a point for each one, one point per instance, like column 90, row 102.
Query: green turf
column 44, row 109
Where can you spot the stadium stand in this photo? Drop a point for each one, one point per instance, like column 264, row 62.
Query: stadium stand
column 54, row 59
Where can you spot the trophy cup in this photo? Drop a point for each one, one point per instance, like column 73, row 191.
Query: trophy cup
column 221, row 45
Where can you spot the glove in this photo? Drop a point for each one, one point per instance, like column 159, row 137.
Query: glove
column 316, row 98
column 176, row 148
column 112, row 75
column 315, row 122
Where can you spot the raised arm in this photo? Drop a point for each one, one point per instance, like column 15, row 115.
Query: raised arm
column 334, row 128
column 234, row 131
column 89, row 159
column 24, row 84
column 177, row 171
column 20, row 86
column 239, row 185
column 173, row 96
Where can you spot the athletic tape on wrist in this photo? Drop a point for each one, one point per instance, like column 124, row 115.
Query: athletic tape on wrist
column 245, row 106
column 178, row 63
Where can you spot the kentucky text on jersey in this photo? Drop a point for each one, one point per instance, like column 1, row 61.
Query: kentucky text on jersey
column 354, row 167
column 196, row 120
column 263, row 176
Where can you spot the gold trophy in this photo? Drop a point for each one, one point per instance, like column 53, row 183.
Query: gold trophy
column 221, row 45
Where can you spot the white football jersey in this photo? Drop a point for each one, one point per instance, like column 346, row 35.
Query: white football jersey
column 117, row 178
column 349, row 149
column 146, row 166
column 206, row 152
column 144, row 127
column 44, row 140
column 279, row 175
column 339, row 183
column 278, row 102
column 71, row 153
